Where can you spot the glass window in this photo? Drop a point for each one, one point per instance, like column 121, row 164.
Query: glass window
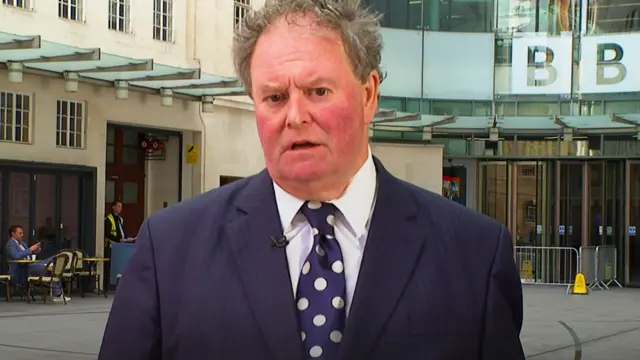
column 390, row 103
column 110, row 191
column 70, row 124
column 119, row 15
column 111, row 154
column 436, row 15
column 111, row 135
column 545, row 16
column 130, row 137
column 460, row 15
column 538, row 109
column 15, row 117
column 481, row 108
column 18, row 201
column 458, row 108
column 589, row 108
column 622, row 107
column 129, row 192
column 503, row 50
column 613, row 16
column 130, row 155
column 240, row 10
column 506, row 109
column 413, row 106
column 398, row 16
column 163, row 20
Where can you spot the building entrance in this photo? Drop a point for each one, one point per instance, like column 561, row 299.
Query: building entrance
column 55, row 205
column 125, row 176
column 567, row 203
column 633, row 212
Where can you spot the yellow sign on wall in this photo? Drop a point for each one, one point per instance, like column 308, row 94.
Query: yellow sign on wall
column 192, row 154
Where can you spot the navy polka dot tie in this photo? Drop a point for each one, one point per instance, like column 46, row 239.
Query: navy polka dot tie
column 321, row 289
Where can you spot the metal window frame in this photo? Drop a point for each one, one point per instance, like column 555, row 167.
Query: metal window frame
column 119, row 15
column 79, row 5
column 244, row 6
column 29, row 110
column 170, row 29
column 27, row 4
column 67, row 133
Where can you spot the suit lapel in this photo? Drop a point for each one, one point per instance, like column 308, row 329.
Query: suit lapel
column 263, row 269
column 393, row 247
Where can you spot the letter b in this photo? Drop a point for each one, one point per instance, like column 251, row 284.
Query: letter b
column 533, row 65
column 614, row 63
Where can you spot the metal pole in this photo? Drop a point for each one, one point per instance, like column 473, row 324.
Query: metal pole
column 421, row 57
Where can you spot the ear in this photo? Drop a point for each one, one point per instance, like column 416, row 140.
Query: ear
column 370, row 95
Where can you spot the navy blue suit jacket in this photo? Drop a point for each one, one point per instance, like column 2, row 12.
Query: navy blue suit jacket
column 437, row 281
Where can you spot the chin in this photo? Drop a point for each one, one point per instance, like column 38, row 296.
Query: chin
column 303, row 174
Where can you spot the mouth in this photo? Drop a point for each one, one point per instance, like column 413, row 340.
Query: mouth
column 303, row 145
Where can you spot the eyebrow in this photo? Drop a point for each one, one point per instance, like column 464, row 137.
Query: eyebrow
column 270, row 87
column 316, row 81
column 313, row 82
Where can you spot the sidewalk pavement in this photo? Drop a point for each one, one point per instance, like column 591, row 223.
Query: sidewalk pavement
column 606, row 322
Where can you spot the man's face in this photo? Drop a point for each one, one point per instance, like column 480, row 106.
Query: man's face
column 117, row 208
column 312, row 112
column 18, row 234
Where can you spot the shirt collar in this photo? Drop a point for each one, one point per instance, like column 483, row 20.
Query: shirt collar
column 355, row 204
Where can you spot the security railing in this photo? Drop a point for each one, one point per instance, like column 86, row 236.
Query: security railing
column 599, row 264
column 548, row 265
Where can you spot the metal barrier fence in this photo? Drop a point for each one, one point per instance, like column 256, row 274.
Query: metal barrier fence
column 599, row 264
column 547, row 265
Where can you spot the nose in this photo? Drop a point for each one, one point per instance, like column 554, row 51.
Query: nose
column 298, row 112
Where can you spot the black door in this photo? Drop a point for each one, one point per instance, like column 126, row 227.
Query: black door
column 54, row 205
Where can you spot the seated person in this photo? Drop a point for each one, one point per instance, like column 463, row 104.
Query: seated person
column 18, row 249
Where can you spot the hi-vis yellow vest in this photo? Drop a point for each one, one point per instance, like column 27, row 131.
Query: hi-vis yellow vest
column 114, row 231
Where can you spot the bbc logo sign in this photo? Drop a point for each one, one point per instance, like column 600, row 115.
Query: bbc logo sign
column 609, row 63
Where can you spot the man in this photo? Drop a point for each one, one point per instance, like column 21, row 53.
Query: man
column 325, row 255
column 113, row 232
column 17, row 249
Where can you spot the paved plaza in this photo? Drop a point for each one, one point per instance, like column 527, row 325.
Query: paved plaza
column 606, row 324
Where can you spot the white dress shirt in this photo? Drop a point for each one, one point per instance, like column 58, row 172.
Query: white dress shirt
column 352, row 226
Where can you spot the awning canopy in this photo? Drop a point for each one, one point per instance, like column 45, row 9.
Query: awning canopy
column 19, row 53
column 392, row 120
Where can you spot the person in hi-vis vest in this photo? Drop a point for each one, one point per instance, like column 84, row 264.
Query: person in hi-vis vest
column 113, row 232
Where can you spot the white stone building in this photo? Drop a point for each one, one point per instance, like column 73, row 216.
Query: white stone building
column 88, row 88
column 84, row 84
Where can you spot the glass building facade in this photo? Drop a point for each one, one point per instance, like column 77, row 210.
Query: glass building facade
column 537, row 105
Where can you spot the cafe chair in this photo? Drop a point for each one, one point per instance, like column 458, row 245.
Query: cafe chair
column 6, row 280
column 57, row 267
column 83, row 269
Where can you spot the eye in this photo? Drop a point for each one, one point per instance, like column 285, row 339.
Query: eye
column 320, row 91
column 275, row 98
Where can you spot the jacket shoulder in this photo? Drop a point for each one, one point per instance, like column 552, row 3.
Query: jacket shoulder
column 445, row 211
column 212, row 204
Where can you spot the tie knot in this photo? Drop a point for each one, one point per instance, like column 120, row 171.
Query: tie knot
column 320, row 215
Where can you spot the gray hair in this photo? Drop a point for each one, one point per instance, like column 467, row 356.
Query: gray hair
column 358, row 28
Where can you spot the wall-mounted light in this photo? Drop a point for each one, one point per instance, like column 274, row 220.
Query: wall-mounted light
column 166, row 97
column 207, row 104
column 71, row 81
column 122, row 90
column 15, row 72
